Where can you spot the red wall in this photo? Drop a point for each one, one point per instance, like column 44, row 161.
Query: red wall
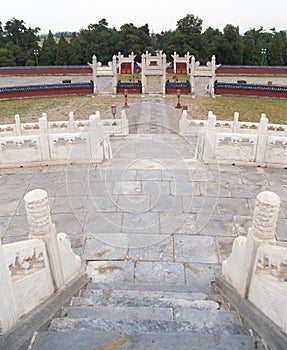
column 245, row 71
column 130, row 90
column 46, row 93
column 48, row 71
column 242, row 92
column 185, row 91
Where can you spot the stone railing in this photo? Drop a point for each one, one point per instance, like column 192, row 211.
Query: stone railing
column 32, row 270
column 117, row 126
column 238, row 142
column 59, row 141
column 257, row 266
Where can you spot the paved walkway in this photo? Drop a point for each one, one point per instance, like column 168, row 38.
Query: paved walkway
column 153, row 214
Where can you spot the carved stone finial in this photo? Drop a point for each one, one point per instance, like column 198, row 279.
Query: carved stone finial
column 265, row 215
column 38, row 212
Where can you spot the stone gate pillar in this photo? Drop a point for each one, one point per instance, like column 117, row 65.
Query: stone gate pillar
column 95, row 75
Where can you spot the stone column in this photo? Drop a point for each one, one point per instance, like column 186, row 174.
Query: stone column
column 262, row 139
column 132, row 56
column 174, row 56
column 212, row 80
column 183, row 123
column 18, row 125
column 192, row 80
column 163, row 73
column 143, row 74
column 115, row 80
column 187, row 60
column 43, row 138
column 210, row 138
column 124, row 123
column 236, row 125
column 120, row 56
column 8, row 309
column 41, row 226
column 96, row 138
column 71, row 122
column 95, row 75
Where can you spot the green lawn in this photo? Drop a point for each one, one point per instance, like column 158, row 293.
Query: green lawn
column 249, row 108
column 58, row 108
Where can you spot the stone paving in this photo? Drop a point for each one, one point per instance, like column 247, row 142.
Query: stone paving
column 153, row 214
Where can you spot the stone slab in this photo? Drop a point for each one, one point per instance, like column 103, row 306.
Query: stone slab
column 178, row 223
column 133, row 203
column 103, row 223
column 111, row 312
column 106, row 246
column 216, row 225
column 140, row 223
column 164, row 203
column 197, row 249
column 200, row 276
column 159, row 273
column 150, row 247
column 110, row 271
column 90, row 339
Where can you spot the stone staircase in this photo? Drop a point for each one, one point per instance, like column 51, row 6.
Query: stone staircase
column 136, row 316
column 149, row 288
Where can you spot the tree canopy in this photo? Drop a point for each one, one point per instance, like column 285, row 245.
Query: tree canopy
column 18, row 42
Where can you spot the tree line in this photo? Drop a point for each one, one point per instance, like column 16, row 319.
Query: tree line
column 19, row 44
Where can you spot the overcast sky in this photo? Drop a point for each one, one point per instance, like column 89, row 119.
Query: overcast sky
column 70, row 15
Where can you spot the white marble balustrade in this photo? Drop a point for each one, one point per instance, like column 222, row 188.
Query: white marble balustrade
column 238, row 142
column 57, row 142
column 34, row 269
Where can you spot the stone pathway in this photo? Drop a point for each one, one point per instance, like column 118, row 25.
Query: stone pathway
column 153, row 210
column 153, row 225
column 151, row 215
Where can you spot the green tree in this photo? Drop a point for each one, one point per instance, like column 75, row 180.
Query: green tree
column 48, row 51
column 136, row 39
column 189, row 25
column 99, row 40
column 25, row 39
column 7, row 58
column 275, row 52
column 230, row 46
column 62, row 51
column 253, row 42
column 284, row 49
column 75, row 50
column 211, row 38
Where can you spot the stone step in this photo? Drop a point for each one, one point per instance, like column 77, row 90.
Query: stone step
column 91, row 340
column 189, row 314
column 163, row 288
column 135, row 290
column 198, row 322
column 146, row 296
column 161, row 302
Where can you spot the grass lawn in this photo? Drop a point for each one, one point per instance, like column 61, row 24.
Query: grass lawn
column 58, row 108
column 249, row 108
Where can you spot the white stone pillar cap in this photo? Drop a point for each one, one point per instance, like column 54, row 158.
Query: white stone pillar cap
column 36, row 195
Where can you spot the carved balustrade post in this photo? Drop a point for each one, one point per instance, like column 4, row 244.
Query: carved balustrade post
column 210, row 137
column 8, row 313
column 43, row 136
column 71, row 122
column 238, row 268
column 262, row 139
column 18, row 125
column 41, row 226
column 96, row 137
